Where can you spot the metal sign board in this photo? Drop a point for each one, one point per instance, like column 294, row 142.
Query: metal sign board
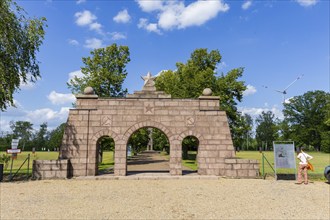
column 284, row 155
column 14, row 143
column 13, row 151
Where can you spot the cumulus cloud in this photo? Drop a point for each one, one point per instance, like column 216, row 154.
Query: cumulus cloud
column 149, row 6
column 93, row 43
column 117, row 36
column 246, row 5
column 73, row 42
column 175, row 15
column 86, row 18
column 150, row 27
column 255, row 112
column 61, row 98
column 80, row 1
column 250, row 90
column 36, row 117
column 307, row 3
column 28, row 84
column 122, row 17
column 48, row 115
column 76, row 73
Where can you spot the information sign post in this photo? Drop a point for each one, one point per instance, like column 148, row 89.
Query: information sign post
column 284, row 155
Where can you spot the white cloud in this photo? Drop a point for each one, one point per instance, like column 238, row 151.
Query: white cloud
column 122, row 17
column 73, row 42
column 149, row 6
column 93, row 43
column 307, row 3
column 77, row 73
column 175, row 15
column 250, row 90
column 28, row 84
column 48, row 115
column 255, row 112
column 199, row 12
column 246, row 5
column 84, row 18
column 61, row 98
column 150, row 27
column 117, row 36
column 80, row 1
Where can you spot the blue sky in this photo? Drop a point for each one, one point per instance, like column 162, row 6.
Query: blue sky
column 275, row 41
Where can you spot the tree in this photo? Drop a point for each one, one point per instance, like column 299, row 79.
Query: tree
column 40, row 140
column 22, row 130
column 105, row 71
column 266, row 131
column 56, row 136
column 139, row 140
column 307, row 115
column 199, row 72
column 243, row 132
column 20, row 39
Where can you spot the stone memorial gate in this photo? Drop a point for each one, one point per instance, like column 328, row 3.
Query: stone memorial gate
column 118, row 118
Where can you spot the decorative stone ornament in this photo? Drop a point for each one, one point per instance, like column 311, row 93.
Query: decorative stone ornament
column 89, row 91
column 207, row 92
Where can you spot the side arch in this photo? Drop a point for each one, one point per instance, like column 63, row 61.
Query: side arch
column 105, row 132
column 186, row 133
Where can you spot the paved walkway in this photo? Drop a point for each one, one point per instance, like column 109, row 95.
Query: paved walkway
column 149, row 163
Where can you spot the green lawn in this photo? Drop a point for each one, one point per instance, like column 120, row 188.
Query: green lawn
column 43, row 155
column 320, row 161
column 107, row 162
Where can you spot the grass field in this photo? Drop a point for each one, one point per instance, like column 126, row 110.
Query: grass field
column 320, row 161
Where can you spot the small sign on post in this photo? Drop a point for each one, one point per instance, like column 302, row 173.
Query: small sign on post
column 13, row 151
column 14, row 143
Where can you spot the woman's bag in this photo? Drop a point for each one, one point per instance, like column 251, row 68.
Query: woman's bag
column 310, row 166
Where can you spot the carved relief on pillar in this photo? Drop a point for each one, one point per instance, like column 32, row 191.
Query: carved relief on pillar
column 149, row 108
column 190, row 121
column 106, row 121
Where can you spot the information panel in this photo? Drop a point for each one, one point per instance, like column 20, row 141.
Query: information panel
column 284, row 155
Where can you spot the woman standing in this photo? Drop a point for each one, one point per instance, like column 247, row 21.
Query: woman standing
column 303, row 157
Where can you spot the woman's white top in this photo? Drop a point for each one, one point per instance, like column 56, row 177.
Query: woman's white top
column 303, row 157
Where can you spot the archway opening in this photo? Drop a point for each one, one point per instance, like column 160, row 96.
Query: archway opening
column 148, row 151
column 190, row 154
column 105, row 156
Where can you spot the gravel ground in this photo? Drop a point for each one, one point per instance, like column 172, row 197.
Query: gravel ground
column 164, row 199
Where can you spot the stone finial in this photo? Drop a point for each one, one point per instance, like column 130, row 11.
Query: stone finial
column 207, row 92
column 88, row 91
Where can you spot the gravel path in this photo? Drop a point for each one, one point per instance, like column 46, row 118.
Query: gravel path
column 164, row 199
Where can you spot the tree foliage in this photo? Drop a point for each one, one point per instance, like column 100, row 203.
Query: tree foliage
column 139, row 140
column 198, row 73
column 22, row 130
column 55, row 137
column 105, row 71
column 40, row 139
column 308, row 118
column 266, row 131
column 20, row 39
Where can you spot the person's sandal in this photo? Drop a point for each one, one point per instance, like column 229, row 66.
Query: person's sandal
column 299, row 183
column 305, row 183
